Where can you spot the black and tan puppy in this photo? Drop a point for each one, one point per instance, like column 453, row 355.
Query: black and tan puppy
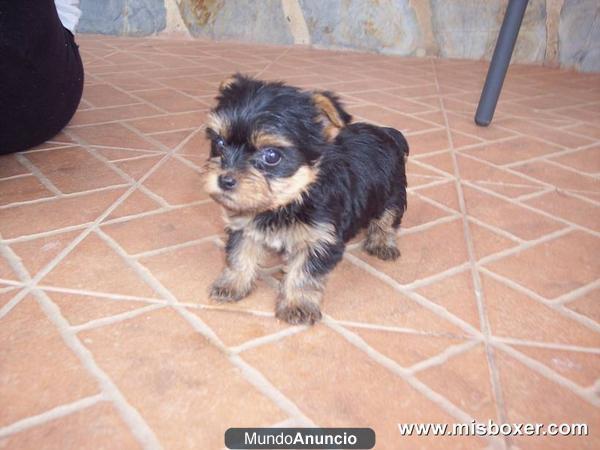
column 294, row 175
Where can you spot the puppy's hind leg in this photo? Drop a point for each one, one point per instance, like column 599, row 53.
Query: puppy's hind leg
column 381, row 235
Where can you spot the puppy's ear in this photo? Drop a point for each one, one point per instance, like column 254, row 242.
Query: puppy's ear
column 230, row 81
column 332, row 114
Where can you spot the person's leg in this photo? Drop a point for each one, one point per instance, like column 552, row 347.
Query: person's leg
column 41, row 74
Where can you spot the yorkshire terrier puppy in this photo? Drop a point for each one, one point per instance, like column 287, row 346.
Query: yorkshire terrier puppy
column 294, row 175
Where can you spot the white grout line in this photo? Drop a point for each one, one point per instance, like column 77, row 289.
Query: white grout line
column 15, row 177
column 251, row 375
column 422, row 282
column 155, row 212
column 407, row 376
column 226, row 308
column 137, row 425
column 101, row 295
column 546, row 345
column 201, row 329
column 521, row 247
column 116, row 318
column 130, row 415
column 38, row 174
column 175, row 247
column 541, row 212
column 396, row 329
column 581, row 319
column 477, row 285
column 93, row 226
column 444, row 356
column 50, row 415
column 576, row 294
column 269, row 338
column 415, row 297
column 56, row 146
column 427, row 225
column 549, row 374
column 64, row 196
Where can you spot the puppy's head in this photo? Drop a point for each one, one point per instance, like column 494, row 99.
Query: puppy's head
column 266, row 140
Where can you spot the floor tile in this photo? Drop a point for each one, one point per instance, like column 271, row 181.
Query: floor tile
column 558, row 257
column 556, row 137
column 492, row 271
column 169, row 228
column 587, row 305
column 527, row 401
column 10, row 166
column 137, row 203
column 79, row 309
column 74, row 169
column 101, row 95
column 171, row 101
column 55, row 214
column 112, row 135
column 581, row 367
column 177, row 183
column 189, row 272
column 97, row 426
column 248, row 327
column 512, row 150
column 374, row 302
column 337, row 401
column 93, row 265
column 487, row 242
column 137, row 168
column 569, row 208
column 429, row 141
column 35, row 254
column 512, row 314
column 170, row 122
column 587, row 160
column 465, row 380
column 391, row 118
column 22, row 189
column 559, row 177
column 178, row 381
column 444, row 193
column 111, row 114
column 407, row 349
column 421, row 212
column 421, row 256
column 520, row 222
column 29, row 343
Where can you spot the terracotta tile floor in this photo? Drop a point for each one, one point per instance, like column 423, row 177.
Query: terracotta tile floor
column 108, row 244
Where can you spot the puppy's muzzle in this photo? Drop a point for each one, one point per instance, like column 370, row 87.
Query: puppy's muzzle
column 226, row 182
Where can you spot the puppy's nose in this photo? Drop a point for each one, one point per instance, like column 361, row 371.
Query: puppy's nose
column 227, row 182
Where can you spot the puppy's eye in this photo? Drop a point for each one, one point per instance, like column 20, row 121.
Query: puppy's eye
column 220, row 143
column 271, row 156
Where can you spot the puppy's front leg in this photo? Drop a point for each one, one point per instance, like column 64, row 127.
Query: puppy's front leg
column 237, row 280
column 302, row 288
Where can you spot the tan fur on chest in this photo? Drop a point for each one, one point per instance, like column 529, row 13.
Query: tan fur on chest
column 290, row 239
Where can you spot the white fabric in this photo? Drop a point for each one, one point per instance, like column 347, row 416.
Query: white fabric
column 68, row 13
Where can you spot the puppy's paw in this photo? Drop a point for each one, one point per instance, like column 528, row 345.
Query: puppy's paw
column 224, row 292
column 385, row 252
column 303, row 313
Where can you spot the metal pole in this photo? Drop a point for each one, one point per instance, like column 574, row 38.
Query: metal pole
column 500, row 61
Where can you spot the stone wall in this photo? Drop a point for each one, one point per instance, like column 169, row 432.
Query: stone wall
column 554, row 32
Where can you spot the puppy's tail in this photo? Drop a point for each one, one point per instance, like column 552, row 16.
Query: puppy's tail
column 400, row 141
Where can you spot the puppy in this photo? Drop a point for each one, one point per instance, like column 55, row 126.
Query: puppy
column 295, row 176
